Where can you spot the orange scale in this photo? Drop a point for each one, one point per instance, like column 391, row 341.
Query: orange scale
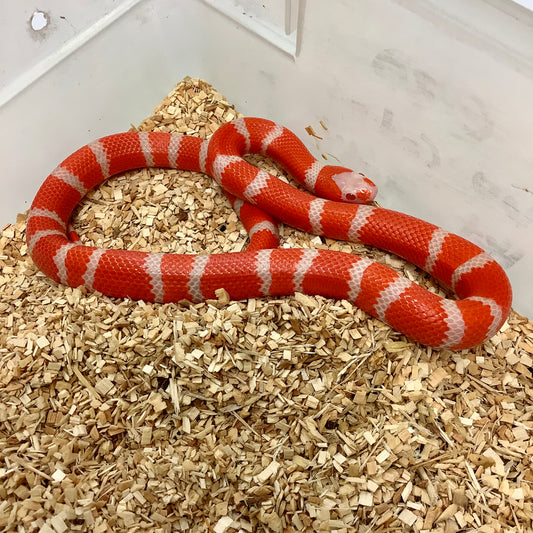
column 262, row 240
column 419, row 315
column 258, row 129
column 283, row 266
column 125, row 153
column 291, row 153
column 233, row 146
column 41, row 223
column 454, row 252
column 44, row 253
column 237, row 176
column 486, row 282
column 257, row 126
column 83, row 164
column 478, row 319
column 325, row 186
column 329, row 274
column 55, row 195
column 376, row 279
column 159, row 143
column 123, row 274
column 235, row 272
column 251, row 215
column 443, row 272
column 401, row 234
column 189, row 153
column 175, row 274
column 292, row 205
column 76, row 264
column 336, row 219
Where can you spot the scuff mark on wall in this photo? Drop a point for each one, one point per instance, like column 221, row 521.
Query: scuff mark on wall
column 477, row 35
column 423, row 89
column 434, row 156
column 387, row 119
column 390, row 64
column 503, row 250
column 396, row 66
column 487, row 189
column 478, row 123
column 425, row 83
column 525, row 189
column 484, row 187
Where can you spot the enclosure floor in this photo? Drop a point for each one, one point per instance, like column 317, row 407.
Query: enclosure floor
column 294, row 414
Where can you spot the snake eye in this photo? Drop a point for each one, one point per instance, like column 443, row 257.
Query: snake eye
column 351, row 197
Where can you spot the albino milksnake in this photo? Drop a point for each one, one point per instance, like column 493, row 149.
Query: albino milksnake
column 480, row 283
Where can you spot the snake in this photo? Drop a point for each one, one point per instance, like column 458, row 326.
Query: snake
column 337, row 203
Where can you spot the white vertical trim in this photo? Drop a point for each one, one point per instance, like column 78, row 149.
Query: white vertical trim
column 274, row 34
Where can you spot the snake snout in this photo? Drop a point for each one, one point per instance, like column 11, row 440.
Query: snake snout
column 355, row 188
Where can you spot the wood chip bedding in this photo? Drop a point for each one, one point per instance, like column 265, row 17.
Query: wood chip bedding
column 290, row 414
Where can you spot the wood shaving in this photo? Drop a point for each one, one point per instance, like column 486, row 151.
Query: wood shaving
column 288, row 414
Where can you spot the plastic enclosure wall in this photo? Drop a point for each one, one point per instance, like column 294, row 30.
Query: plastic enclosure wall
column 430, row 99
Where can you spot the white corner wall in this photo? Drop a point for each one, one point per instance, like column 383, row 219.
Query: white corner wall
column 431, row 99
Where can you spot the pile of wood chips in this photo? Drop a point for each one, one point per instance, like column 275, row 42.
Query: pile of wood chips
column 290, row 414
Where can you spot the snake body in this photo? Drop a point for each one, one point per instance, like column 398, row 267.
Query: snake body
column 335, row 207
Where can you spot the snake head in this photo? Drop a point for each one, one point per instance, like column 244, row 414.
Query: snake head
column 355, row 188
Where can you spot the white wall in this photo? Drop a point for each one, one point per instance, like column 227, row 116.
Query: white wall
column 431, row 99
column 35, row 39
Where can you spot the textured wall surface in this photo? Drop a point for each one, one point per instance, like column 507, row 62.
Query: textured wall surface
column 430, row 99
